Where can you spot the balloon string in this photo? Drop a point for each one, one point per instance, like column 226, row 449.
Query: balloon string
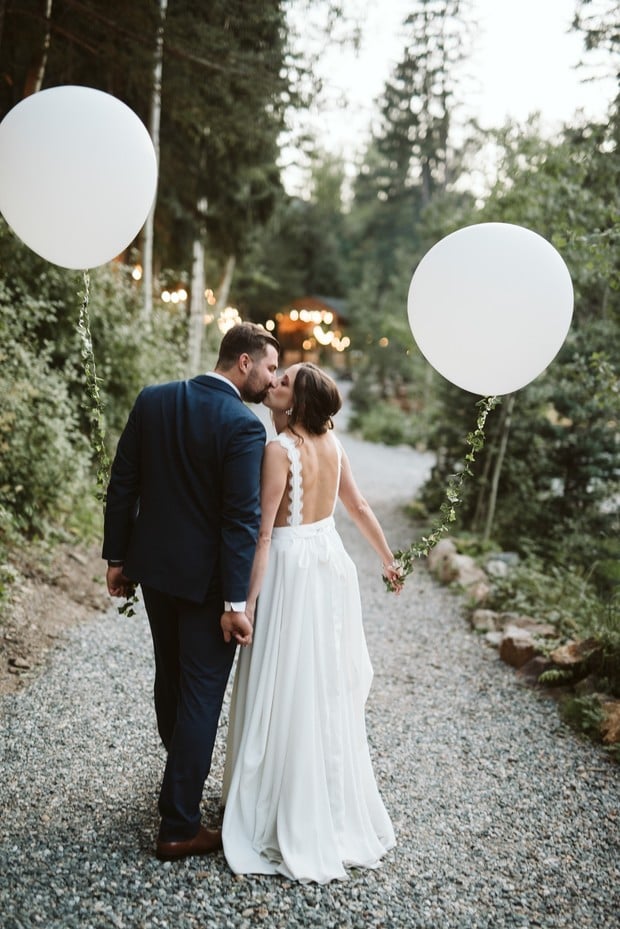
column 95, row 409
column 452, row 498
column 97, row 420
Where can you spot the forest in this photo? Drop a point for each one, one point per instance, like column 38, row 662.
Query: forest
column 216, row 83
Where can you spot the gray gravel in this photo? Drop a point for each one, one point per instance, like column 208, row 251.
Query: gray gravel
column 503, row 818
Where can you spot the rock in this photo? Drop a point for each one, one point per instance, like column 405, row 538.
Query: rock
column 534, row 626
column 484, row 620
column 494, row 637
column 440, row 560
column 610, row 727
column 505, row 619
column 20, row 664
column 495, row 567
column 517, row 646
column 588, row 686
column 479, row 591
column 509, row 558
column 467, row 572
column 532, row 669
column 573, row 653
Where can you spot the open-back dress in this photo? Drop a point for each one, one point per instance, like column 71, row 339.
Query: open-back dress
column 300, row 795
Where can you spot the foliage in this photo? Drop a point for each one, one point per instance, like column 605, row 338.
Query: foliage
column 584, row 714
column 228, row 80
column 228, row 61
column 418, row 102
column 565, row 598
column 97, row 428
column 598, row 23
column 43, row 452
column 299, row 251
column 44, row 458
column 129, row 354
column 386, row 423
column 46, row 406
column 605, row 627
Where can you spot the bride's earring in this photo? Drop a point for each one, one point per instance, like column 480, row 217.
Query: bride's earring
column 289, row 412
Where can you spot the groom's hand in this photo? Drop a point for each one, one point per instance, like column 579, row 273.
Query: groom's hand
column 118, row 585
column 236, row 626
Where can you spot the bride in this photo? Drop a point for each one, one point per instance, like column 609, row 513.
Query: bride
column 299, row 791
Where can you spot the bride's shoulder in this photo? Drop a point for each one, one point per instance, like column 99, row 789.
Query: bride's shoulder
column 335, row 441
column 277, row 448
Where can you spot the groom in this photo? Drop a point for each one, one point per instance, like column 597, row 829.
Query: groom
column 181, row 519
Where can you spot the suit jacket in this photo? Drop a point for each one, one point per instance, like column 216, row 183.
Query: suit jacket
column 182, row 505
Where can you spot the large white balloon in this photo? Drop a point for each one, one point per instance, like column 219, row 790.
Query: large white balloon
column 490, row 306
column 78, row 175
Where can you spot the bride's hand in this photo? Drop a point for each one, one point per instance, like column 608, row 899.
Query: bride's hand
column 393, row 574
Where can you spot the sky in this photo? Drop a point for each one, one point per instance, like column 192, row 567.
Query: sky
column 524, row 60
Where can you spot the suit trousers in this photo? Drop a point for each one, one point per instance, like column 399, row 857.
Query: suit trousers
column 192, row 667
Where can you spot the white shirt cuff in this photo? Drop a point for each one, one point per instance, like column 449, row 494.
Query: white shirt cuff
column 237, row 606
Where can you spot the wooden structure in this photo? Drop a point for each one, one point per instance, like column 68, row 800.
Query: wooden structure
column 311, row 328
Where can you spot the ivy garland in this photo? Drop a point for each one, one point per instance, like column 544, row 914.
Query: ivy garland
column 447, row 512
column 95, row 408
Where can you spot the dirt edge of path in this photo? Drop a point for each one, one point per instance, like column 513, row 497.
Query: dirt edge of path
column 51, row 592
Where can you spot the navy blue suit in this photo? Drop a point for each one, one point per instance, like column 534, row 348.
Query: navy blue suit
column 182, row 512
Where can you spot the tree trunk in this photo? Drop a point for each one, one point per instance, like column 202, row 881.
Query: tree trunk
column 498, row 468
column 147, row 250
column 36, row 73
column 196, row 309
column 483, row 483
column 196, row 322
column 224, row 289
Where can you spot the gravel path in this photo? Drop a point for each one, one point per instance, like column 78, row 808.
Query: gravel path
column 503, row 818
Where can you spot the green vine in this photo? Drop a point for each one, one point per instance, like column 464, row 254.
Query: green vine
column 127, row 608
column 95, row 409
column 447, row 512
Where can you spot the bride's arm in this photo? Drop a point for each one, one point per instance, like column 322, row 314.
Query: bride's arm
column 362, row 515
column 274, row 479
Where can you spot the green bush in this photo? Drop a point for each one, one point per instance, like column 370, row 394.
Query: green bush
column 129, row 353
column 563, row 597
column 45, row 459
column 584, row 714
column 47, row 471
column 387, row 423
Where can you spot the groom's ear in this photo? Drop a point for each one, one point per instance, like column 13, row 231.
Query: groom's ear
column 244, row 362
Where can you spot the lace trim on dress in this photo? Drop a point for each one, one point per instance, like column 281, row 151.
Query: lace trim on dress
column 295, row 481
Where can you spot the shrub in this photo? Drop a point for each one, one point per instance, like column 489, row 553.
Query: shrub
column 553, row 594
column 44, row 461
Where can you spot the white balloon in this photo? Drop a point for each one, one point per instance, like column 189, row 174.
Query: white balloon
column 490, row 306
column 78, row 175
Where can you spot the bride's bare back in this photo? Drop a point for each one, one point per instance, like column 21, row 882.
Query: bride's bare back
column 320, row 474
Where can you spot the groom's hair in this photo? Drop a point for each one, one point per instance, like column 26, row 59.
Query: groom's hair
column 316, row 399
column 244, row 339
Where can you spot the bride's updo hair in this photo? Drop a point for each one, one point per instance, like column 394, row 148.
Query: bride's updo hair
column 315, row 400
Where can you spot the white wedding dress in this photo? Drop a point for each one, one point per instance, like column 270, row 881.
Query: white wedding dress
column 299, row 791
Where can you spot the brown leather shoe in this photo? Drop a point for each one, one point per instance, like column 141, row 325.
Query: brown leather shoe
column 203, row 843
